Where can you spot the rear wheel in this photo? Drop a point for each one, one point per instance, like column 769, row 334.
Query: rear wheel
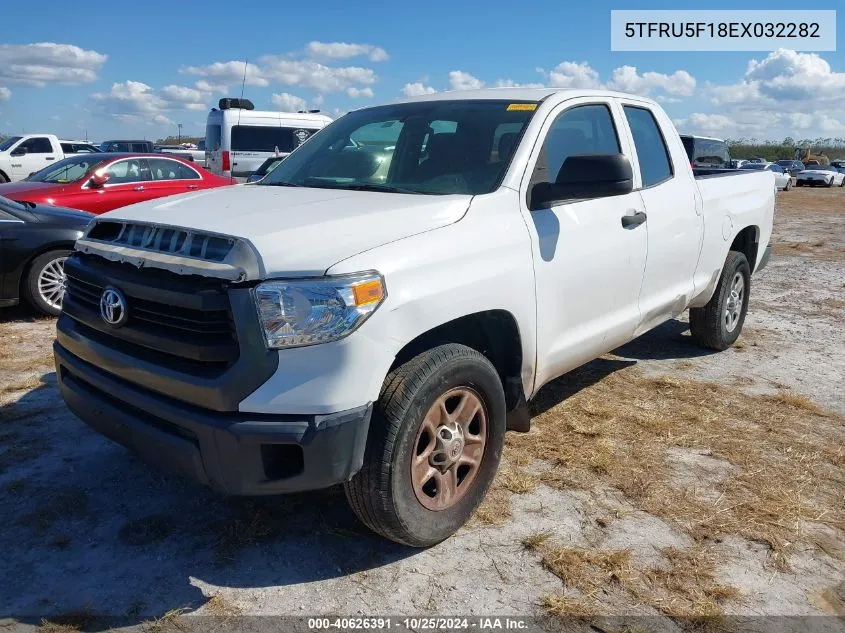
column 433, row 448
column 45, row 282
column 718, row 324
column 788, row 185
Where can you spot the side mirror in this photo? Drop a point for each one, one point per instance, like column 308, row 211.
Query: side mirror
column 586, row 176
column 18, row 151
column 98, row 180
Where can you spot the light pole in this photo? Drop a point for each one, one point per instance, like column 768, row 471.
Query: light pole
column 179, row 125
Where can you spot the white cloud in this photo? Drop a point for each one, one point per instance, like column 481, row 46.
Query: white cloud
column 343, row 50
column 417, row 89
column 207, row 86
column 5, row 93
column 459, row 80
column 231, row 72
column 354, row 93
column 314, row 75
column 510, row 83
column 574, row 75
column 46, row 62
column 626, row 79
column 288, row 102
column 781, row 95
column 135, row 101
column 182, row 94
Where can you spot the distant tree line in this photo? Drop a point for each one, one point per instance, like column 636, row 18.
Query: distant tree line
column 746, row 148
column 175, row 140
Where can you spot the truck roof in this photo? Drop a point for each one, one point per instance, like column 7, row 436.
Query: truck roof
column 519, row 94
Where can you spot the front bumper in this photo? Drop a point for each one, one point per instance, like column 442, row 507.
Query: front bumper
column 235, row 453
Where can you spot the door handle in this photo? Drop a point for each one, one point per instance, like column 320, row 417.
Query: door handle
column 193, row 186
column 139, row 188
column 633, row 220
column 50, row 158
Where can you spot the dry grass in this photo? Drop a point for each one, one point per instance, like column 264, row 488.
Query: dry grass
column 219, row 607
column 682, row 586
column 533, row 542
column 251, row 525
column 496, row 507
column 788, row 455
column 170, row 621
column 517, row 481
column 68, row 622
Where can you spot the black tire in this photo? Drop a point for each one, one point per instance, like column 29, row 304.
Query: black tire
column 830, row 184
column 788, row 185
column 709, row 324
column 3, row 178
column 382, row 492
column 30, row 287
column 842, row 184
column 798, row 183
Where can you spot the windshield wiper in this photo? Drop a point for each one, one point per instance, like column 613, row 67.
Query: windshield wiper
column 279, row 184
column 372, row 187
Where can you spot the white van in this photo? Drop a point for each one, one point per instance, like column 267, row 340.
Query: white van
column 239, row 139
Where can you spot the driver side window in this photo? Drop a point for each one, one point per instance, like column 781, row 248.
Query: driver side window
column 586, row 129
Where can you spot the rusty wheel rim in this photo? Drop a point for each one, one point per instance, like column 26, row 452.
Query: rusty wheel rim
column 449, row 448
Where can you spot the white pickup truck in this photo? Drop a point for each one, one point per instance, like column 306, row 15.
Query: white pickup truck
column 381, row 326
column 21, row 156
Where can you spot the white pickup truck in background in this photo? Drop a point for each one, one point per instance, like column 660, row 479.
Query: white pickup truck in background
column 21, row 156
column 380, row 308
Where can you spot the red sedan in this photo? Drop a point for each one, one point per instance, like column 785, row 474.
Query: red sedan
column 102, row 182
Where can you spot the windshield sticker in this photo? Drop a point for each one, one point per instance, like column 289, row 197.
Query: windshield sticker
column 522, row 107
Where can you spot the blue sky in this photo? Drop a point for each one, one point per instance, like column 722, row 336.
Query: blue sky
column 114, row 71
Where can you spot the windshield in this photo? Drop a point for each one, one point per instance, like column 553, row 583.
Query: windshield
column 9, row 142
column 67, row 170
column 430, row 147
column 757, row 166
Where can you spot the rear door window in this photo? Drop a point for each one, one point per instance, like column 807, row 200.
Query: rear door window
column 163, row 169
column 655, row 164
column 213, row 133
column 254, row 138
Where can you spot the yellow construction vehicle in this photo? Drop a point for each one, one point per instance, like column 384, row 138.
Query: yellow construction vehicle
column 806, row 156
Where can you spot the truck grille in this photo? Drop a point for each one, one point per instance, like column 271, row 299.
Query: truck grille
column 182, row 320
column 163, row 239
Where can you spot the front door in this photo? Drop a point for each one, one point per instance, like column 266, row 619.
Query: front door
column 38, row 155
column 588, row 266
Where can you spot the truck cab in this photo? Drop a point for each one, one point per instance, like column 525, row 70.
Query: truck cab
column 382, row 306
column 21, row 156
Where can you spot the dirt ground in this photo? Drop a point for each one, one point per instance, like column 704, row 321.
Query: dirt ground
column 662, row 481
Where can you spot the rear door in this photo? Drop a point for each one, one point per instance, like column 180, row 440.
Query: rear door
column 214, row 146
column 675, row 224
column 588, row 266
column 170, row 177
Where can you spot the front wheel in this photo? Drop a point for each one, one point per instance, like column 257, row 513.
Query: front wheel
column 788, row 185
column 717, row 325
column 45, row 282
column 433, row 447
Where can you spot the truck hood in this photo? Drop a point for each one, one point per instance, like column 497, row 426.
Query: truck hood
column 300, row 231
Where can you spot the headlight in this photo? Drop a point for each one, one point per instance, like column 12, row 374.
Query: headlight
column 299, row 312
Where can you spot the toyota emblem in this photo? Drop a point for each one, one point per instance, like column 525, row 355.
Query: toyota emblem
column 113, row 307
